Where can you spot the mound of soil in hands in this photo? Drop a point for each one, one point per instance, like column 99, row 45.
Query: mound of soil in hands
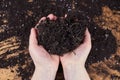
column 17, row 17
column 64, row 34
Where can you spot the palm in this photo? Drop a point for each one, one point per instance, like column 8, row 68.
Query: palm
column 79, row 55
column 39, row 55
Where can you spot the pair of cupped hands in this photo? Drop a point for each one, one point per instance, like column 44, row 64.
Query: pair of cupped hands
column 46, row 65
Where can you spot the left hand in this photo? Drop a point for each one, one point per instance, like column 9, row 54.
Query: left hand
column 46, row 64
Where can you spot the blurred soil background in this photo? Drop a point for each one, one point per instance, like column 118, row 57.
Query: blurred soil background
column 17, row 17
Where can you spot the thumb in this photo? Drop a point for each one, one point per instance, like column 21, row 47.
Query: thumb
column 87, row 40
column 33, row 37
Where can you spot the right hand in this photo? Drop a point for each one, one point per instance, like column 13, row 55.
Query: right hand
column 74, row 62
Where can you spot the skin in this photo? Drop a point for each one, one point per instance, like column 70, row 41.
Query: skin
column 46, row 65
column 74, row 62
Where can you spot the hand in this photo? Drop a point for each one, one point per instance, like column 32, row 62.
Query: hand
column 46, row 65
column 74, row 62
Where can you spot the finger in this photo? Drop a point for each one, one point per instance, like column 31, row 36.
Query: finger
column 42, row 19
column 87, row 39
column 52, row 17
column 86, row 44
column 33, row 37
column 65, row 15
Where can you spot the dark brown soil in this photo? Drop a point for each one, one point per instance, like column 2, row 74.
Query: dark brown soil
column 17, row 17
column 64, row 34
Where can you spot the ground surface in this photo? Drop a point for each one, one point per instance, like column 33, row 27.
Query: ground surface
column 18, row 16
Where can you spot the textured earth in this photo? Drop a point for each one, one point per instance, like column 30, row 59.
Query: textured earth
column 17, row 17
column 62, row 35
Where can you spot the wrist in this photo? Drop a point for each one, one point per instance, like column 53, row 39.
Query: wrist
column 75, row 72
column 44, row 74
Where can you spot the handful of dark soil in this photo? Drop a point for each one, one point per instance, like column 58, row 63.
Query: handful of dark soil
column 64, row 34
